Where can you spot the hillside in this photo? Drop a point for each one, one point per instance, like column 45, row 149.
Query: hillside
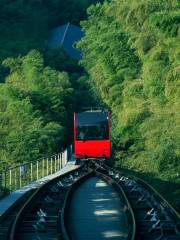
column 131, row 65
column 40, row 87
column 132, row 53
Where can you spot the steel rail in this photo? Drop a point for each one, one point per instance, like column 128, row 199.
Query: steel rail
column 150, row 188
column 149, row 215
column 127, row 207
column 158, row 195
column 66, row 204
column 30, row 203
column 7, row 218
column 154, row 215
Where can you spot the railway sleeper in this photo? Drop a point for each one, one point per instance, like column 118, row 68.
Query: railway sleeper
column 27, row 223
column 38, row 236
column 50, row 215
column 49, row 226
column 158, row 233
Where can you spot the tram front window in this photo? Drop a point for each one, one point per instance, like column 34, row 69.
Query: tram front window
column 92, row 128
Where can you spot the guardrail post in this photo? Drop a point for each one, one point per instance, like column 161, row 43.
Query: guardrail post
column 51, row 165
column 55, row 163
column 20, row 179
column 62, row 165
column 64, row 156
column 61, row 160
column 43, row 168
column 47, row 168
column 37, row 169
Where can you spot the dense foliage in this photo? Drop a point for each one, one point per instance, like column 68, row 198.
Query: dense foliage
column 39, row 87
column 33, row 108
column 132, row 52
column 132, row 55
column 37, row 104
column 24, row 25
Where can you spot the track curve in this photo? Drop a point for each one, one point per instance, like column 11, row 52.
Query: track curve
column 40, row 217
column 155, row 217
column 43, row 214
column 98, row 209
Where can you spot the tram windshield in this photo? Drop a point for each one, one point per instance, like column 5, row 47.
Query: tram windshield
column 92, row 126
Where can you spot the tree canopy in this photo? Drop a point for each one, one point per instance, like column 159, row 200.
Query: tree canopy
column 131, row 51
column 40, row 87
column 131, row 64
column 34, row 107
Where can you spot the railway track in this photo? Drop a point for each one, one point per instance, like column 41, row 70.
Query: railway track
column 7, row 219
column 41, row 214
column 38, row 214
column 155, row 218
column 128, row 212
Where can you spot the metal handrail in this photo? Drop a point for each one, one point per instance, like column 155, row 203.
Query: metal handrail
column 26, row 163
column 16, row 177
column 31, row 199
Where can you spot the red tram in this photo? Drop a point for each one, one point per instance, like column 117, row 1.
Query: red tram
column 92, row 134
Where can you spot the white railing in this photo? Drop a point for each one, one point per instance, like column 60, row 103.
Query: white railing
column 14, row 178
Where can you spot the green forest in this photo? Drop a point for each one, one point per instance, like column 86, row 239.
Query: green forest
column 132, row 54
column 40, row 86
column 131, row 65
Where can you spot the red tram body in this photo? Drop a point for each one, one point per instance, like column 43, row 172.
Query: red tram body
column 92, row 134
